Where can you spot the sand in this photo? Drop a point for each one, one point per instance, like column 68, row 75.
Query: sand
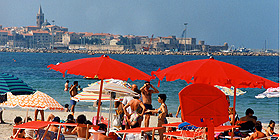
column 10, row 114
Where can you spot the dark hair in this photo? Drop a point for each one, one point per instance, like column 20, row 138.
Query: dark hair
column 162, row 96
column 136, row 97
column 17, row 119
column 67, row 81
column 147, row 82
column 56, row 119
column 248, row 111
column 75, row 82
column 81, row 119
column 255, row 117
column 271, row 122
column 66, row 105
column 29, row 119
column 117, row 104
column 88, row 122
column 258, row 126
column 70, row 117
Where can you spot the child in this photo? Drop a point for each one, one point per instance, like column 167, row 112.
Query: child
column 79, row 130
column 18, row 121
column 66, row 108
column 257, row 134
column 163, row 113
column 270, row 128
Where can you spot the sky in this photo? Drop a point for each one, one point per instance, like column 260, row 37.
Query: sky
column 242, row 23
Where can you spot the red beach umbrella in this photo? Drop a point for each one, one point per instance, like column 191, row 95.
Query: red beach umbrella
column 214, row 72
column 102, row 67
column 204, row 106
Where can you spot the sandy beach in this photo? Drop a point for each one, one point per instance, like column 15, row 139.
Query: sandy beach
column 10, row 114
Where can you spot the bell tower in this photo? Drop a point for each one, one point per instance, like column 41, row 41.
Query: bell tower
column 40, row 17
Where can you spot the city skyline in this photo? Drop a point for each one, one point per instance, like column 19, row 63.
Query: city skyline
column 240, row 23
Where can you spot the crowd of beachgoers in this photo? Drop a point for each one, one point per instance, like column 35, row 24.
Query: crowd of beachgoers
column 131, row 112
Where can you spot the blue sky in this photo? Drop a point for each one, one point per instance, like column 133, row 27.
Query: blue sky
column 245, row 23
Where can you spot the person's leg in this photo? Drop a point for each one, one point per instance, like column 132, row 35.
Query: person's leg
column 42, row 115
column 36, row 114
column 72, row 108
column 50, row 117
column 147, row 120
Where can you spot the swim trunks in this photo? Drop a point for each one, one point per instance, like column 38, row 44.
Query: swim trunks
column 150, row 107
column 73, row 102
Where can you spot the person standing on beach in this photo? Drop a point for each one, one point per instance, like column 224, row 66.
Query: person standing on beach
column 134, row 119
column 73, row 92
column 66, row 86
column 147, row 99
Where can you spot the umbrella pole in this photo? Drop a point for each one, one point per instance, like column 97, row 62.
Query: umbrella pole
column 234, row 104
column 99, row 101
column 109, row 121
column 26, row 115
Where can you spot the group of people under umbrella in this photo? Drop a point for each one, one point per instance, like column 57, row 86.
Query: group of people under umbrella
column 205, row 72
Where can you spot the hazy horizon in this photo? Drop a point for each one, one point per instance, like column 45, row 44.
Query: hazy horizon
column 240, row 23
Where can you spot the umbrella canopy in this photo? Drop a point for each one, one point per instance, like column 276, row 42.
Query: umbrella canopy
column 103, row 67
column 38, row 100
column 214, row 72
column 122, row 88
column 230, row 91
column 203, row 101
column 91, row 97
column 269, row 93
column 10, row 83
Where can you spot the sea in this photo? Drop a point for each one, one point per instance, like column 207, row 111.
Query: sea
column 32, row 69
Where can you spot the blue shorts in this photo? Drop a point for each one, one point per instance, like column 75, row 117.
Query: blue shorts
column 73, row 102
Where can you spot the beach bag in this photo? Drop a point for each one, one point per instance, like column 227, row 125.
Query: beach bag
column 117, row 121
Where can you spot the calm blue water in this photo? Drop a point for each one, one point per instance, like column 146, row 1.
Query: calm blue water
column 32, row 68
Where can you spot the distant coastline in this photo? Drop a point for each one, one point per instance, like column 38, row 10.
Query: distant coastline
column 92, row 52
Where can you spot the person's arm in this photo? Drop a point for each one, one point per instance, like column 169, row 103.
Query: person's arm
column 142, row 88
column 143, row 109
column 155, row 90
column 178, row 110
column 124, row 109
column 74, row 131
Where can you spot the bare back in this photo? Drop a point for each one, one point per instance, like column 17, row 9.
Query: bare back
column 134, row 104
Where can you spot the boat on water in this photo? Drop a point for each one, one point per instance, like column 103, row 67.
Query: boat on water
column 269, row 93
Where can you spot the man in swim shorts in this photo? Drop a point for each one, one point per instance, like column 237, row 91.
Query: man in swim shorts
column 147, row 99
column 73, row 92
column 134, row 118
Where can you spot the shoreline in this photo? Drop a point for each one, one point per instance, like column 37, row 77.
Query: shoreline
column 10, row 114
column 92, row 52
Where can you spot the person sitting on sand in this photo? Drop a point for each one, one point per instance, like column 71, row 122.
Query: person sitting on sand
column 230, row 112
column 133, row 120
column 18, row 121
column 66, row 108
column 54, row 128
column 69, row 129
column 257, row 134
column 270, row 128
column 250, row 120
column 79, row 130
column 29, row 133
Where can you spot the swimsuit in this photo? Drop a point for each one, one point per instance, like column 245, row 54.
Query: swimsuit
column 134, row 116
column 150, row 107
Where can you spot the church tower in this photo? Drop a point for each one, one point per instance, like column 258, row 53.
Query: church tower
column 40, row 17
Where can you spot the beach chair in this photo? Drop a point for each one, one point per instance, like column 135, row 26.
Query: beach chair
column 139, row 132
